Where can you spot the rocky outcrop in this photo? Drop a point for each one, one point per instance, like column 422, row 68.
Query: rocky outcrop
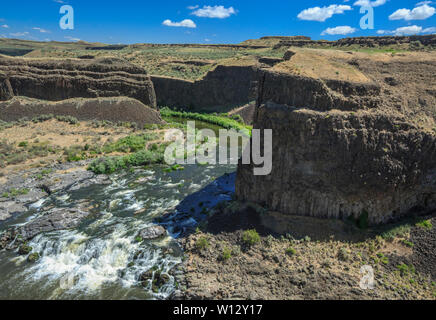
column 220, row 90
column 340, row 150
column 56, row 80
column 413, row 42
column 152, row 232
column 56, row 219
column 119, row 109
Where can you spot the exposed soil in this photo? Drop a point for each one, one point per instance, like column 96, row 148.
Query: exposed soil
column 325, row 264
column 58, row 136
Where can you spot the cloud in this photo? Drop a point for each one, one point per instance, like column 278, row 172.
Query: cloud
column 369, row 3
column 343, row 30
column 322, row 14
column 19, row 34
column 71, row 38
column 40, row 30
column 409, row 30
column 59, row 1
column 219, row 12
column 5, row 26
column 429, row 30
column 187, row 23
column 419, row 13
column 193, row 7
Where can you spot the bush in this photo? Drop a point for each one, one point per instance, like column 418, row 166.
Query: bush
column 291, row 251
column 227, row 254
column 202, row 243
column 250, row 237
column 23, row 144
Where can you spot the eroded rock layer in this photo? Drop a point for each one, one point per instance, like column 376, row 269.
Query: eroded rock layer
column 57, row 80
column 116, row 109
column 344, row 149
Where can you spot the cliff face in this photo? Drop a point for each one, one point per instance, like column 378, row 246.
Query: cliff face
column 56, row 80
column 220, row 90
column 344, row 149
column 115, row 109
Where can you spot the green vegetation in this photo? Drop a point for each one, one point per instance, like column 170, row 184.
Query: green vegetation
column 12, row 193
column 33, row 257
column 138, row 239
column 250, row 237
column 405, row 269
column 408, row 243
column 222, row 121
column 24, row 249
column 291, row 251
column 382, row 258
column 227, row 253
column 202, row 243
column 425, row 224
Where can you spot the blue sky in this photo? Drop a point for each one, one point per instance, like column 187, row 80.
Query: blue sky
column 204, row 21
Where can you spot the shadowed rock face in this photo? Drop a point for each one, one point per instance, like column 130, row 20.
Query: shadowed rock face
column 363, row 158
column 220, row 90
column 56, row 80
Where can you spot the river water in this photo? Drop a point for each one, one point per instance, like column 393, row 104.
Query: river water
column 100, row 259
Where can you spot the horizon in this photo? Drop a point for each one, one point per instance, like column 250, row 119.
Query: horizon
column 205, row 22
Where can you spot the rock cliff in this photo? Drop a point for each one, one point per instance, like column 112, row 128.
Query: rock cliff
column 56, row 80
column 344, row 149
column 220, row 90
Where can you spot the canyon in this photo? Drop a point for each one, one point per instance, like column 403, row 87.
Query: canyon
column 353, row 161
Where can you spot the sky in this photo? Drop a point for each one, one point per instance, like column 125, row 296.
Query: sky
column 207, row 21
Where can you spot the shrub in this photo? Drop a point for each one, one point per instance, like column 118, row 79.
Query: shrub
column 291, row 251
column 23, row 144
column 202, row 243
column 250, row 237
column 227, row 254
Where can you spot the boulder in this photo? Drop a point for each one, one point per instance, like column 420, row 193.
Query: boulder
column 151, row 233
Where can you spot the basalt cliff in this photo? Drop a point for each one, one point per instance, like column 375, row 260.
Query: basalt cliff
column 358, row 144
column 106, row 89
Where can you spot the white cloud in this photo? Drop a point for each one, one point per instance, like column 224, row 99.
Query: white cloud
column 40, row 30
column 19, row 34
column 409, row 30
column 343, row 30
column 419, row 13
column 423, row 2
column 187, row 23
column 193, row 7
column 219, row 12
column 369, row 3
column 72, row 38
column 322, row 14
column 5, row 26
column 429, row 30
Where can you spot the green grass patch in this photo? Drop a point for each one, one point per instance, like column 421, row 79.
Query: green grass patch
column 221, row 121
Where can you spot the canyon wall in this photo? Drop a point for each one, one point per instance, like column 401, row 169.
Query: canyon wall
column 219, row 91
column 115, row 109
column 344, row 149
column 55, row 80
